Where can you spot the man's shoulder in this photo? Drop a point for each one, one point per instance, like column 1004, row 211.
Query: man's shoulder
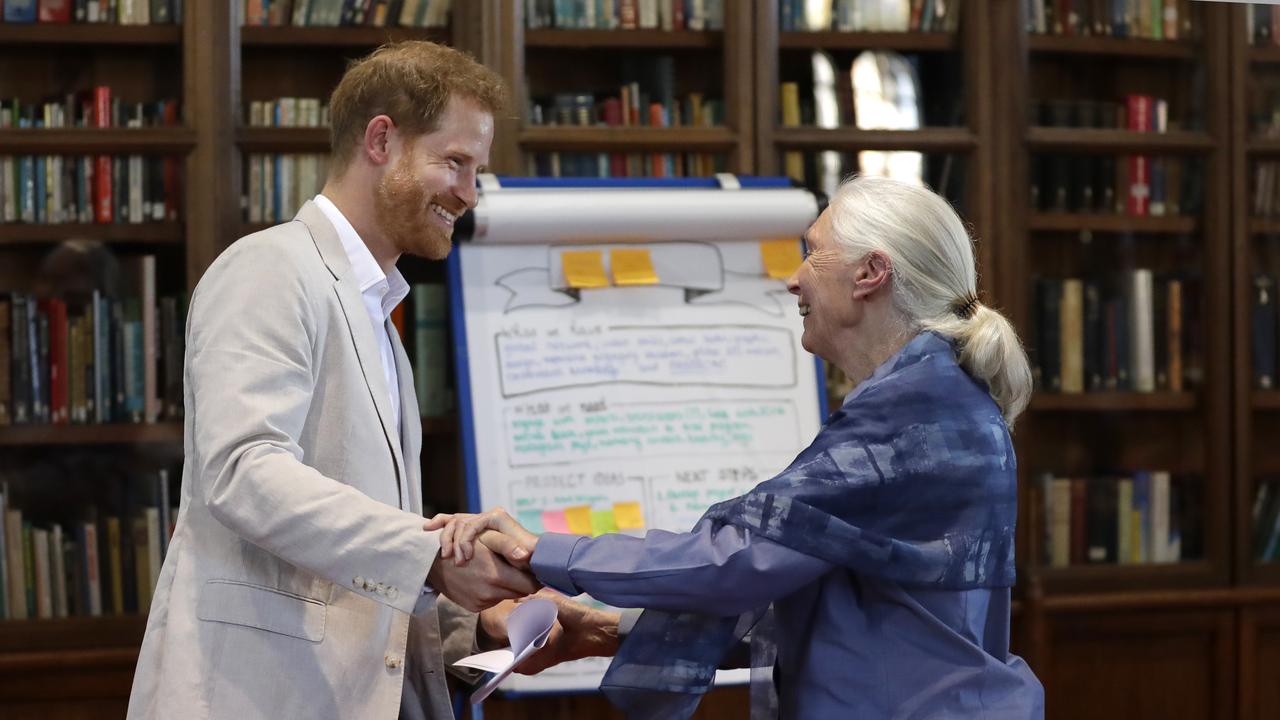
column 283, row 248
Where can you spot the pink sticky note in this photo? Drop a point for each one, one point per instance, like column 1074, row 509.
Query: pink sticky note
column 554, row 521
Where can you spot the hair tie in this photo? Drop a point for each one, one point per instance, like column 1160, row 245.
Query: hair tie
column 965, row 306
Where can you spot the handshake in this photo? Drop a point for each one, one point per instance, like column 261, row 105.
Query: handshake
column 484, row 567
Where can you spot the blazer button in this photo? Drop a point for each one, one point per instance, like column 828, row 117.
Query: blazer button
column 393, row 593
column 357, row 581
column 393, row 662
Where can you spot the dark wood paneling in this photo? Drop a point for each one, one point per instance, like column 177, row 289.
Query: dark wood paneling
column 1167, row 665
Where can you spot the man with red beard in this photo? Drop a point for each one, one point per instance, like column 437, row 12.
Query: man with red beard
column 300, row 581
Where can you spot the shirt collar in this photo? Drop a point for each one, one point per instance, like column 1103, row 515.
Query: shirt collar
column 364, row 268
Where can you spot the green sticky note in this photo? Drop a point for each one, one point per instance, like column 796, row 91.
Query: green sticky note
column 603, row 522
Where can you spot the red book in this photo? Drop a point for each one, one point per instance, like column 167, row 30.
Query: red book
column 677, row 15
column 1139, row 111
column 55, row 11
column 627, row 17
column 103, row 202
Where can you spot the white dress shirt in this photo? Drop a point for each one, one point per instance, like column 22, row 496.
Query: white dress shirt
column 381, row 294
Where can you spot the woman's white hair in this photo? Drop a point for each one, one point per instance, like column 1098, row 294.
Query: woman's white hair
column 934, row 278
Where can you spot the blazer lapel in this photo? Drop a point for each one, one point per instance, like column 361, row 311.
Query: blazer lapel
column 411, row 426
column 359, row 327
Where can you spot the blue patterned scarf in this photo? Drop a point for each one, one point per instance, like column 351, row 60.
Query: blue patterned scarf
column 912, row 480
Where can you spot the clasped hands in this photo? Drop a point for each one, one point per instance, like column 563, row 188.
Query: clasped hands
column 484, row 567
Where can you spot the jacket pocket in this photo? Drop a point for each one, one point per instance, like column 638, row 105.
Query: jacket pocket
column 264, row 608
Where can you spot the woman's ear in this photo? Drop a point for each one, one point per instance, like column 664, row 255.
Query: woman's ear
column 872, row 272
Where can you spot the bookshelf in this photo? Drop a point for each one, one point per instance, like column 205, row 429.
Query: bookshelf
column 545, row 64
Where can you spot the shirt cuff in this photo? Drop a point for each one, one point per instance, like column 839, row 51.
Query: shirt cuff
column 550, row 561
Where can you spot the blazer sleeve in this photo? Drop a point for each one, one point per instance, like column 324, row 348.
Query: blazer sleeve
column 252, row 334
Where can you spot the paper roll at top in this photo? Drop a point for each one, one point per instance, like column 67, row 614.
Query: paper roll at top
column 589, row 215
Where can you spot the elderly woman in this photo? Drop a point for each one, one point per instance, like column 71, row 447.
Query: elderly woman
column 873, row 573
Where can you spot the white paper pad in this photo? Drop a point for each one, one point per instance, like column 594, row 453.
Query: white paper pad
column 527, row 628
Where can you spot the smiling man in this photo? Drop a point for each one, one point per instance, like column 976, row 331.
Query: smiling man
column 300, row 581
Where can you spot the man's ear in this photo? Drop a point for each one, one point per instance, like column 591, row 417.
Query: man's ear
column 871, row 273
column 379, row 137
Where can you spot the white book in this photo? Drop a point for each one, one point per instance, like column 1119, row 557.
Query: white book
column 44, row 591
column 1142, row 362
column 255, row 189
column 58, row 569
column 1160, row 517
column 648, row 14
column 9, row 193
column 92, row 575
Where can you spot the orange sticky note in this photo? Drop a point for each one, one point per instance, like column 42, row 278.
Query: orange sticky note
column 781, row 257
column 584, row 268
column 628, row 515
column 632, row 266
column 579, row 519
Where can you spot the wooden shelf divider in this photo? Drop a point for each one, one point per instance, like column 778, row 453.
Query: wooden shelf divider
column 150, row 233
column 1106, row 140
column 108, row 434
column 901, row 41
column 937, row 139
column 14, row 34
column 607, row 39
column 1126, row 48
column 115, row 141
column 639, row 139
column 257, row 36
column 283, row 139
column 1092, row 222
column 1114, row 402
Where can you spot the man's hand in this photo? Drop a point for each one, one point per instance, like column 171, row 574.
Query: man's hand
column 481, row 583
column 580, row 631
column 501, row 532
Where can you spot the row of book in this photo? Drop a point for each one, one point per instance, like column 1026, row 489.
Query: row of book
column 346, row 13
column 278, row 184
column 1147, row 516
column 1133, row 185
column 1141, row 113
column 111, row 12
column 95, row 108
column 625, row 14
column 97, row 360
column 1266, row 189
column 1266, row 520
column 625, row 164
column 1262, row 25
column 1138, row 332
column 1147, row 19
column 869, row 15
column 52, row 189
column 630, row 108
column 98, row 564
column 288, row 112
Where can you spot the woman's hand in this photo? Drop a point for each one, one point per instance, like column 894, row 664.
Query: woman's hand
column 497, row 530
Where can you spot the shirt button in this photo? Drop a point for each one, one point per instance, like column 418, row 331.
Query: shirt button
column 357, row 581
column 392, row 662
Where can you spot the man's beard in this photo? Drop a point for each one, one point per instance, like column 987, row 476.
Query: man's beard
column 404, row 214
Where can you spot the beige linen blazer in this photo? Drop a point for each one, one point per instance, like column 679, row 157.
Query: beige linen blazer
column 291, row 583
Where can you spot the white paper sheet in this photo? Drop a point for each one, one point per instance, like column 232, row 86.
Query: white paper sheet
column 528, row 627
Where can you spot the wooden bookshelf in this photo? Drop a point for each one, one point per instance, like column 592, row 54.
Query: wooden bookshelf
column 283, row 139
column 851, row 139
column 149, row 233
column 639, row 39
column 159, row 140
column 1105, row 140
column 1114, row 402
column 900, row 41
column 627, row 138
column 1264, row 146
column 1100, row 223
column 1119, row 48
column 78, row 435
column 12, row 35
column 335, row 37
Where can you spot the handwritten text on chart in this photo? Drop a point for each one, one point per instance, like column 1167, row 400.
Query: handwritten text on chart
column 651, row 429
column 537, row 359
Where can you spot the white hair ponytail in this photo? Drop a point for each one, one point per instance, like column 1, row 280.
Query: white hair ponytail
column 935, row 281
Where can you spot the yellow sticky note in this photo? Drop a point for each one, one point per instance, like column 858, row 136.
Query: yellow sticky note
column 781, row 257
column 632, row 266
column 584, row 268
column 579, row 519
column 628, row 515
column 602, row 522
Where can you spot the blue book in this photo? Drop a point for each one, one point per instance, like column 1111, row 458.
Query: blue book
column 1142, row 506
column 41, row 196
column 20, row 11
